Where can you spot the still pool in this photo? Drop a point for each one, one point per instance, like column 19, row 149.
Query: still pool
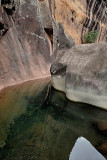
column 35, row 125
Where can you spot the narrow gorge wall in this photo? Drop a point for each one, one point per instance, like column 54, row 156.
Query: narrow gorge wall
column 25, row 49
column 78, row 17
column 33, row 31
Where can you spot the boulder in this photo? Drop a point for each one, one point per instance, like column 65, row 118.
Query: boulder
column 83, row 150
column 103, row 148
column 81, row 72
column 102, row 126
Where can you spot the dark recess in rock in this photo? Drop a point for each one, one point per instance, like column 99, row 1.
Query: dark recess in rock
column 49, row 32
column 1, row 26
column 9, row 11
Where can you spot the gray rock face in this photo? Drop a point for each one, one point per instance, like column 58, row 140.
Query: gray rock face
column 33, row 31
column 83, row 150
column 81, row 72
column 25, row 49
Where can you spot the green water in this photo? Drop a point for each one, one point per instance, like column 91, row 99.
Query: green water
column 33, row 128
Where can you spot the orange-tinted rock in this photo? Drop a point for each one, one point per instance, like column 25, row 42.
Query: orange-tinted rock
column 78, row 17
column 33, row 32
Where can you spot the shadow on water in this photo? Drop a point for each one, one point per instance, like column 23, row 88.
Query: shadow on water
column 34, row 129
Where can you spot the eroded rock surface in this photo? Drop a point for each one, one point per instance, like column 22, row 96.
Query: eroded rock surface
column 78, row 17
column 34, row 32
column 25, row 49
column 81, row 72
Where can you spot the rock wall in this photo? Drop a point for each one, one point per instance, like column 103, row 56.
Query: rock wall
column 78, row 17
column 25, row 48
column 34, row 32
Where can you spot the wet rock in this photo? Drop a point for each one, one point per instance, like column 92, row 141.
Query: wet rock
column 29, row 144
column 103, row 148
column 33, row 33
column 2, row 144
column 83, row 150
column 102, row 126
column 28, row 30
column 81, row 72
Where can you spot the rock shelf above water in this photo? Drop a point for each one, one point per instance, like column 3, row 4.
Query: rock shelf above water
column 81, row 72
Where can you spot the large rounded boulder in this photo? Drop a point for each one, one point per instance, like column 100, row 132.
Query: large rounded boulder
column 81, row 72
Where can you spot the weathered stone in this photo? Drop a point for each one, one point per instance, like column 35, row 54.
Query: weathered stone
column 45, row 13
column 83, row 150
column 79, row 17
column 103, row 148
column 25, row 49
column 81, row 72
column 33, row 31
column 102, row 126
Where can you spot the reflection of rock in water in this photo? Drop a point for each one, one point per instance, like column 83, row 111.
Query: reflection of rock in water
column 83, row 150
column 49, row 133
column 15, row 101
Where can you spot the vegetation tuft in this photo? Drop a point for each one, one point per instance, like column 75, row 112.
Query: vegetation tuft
column 91, row 36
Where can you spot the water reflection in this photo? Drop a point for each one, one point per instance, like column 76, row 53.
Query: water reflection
column 13, row 103
column 48, row 131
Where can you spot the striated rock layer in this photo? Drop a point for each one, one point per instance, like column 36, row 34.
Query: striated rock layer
column 78, row 17
column 81, row 72
column 25, row 49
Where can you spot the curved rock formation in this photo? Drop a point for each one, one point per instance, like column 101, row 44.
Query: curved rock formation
column 34, row 32
column 81, row 72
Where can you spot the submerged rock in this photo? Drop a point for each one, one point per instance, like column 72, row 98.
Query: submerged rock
column 81, row 72
column 83, row 150
column 102, row 126
column 103, row 148
column 2, row 144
